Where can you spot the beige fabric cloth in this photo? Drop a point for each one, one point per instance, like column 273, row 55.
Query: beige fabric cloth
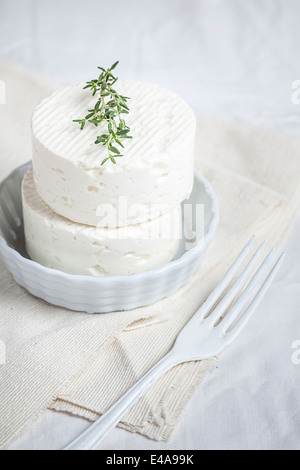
column 82, row 363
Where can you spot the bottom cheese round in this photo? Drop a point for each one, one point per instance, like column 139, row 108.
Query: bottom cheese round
column 57, row 243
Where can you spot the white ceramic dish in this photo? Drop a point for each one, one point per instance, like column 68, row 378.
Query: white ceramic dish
column 99, row 295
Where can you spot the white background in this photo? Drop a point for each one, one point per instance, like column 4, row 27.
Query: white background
column 235, row 58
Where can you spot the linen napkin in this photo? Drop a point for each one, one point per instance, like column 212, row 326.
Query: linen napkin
column 81, row 363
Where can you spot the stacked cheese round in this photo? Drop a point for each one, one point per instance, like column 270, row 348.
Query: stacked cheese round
column 58, row 243
column 82, row 217
column 155, row 174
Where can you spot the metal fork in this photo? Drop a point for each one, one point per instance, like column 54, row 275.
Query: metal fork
column 209, row 332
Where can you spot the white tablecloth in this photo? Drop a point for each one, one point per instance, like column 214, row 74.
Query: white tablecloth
column 227, row 58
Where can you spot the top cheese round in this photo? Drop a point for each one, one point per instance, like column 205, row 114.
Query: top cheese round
column 155, row 174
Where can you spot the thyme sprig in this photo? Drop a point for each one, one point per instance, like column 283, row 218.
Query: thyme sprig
column 108, row 108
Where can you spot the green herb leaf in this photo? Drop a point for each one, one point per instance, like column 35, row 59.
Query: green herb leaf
column 114, row 66
column 119, row 142
column 114, row 149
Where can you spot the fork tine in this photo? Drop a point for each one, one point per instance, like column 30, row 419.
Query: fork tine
column 218, row 291
column 232, row 314
column 226, row 301
column 255, row 302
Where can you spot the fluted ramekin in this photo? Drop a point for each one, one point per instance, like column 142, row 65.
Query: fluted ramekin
column 108, row 294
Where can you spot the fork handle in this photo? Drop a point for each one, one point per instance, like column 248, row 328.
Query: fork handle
column 90, row 438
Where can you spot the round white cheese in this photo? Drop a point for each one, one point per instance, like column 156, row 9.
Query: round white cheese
column 155, row 174
column 58, row 243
